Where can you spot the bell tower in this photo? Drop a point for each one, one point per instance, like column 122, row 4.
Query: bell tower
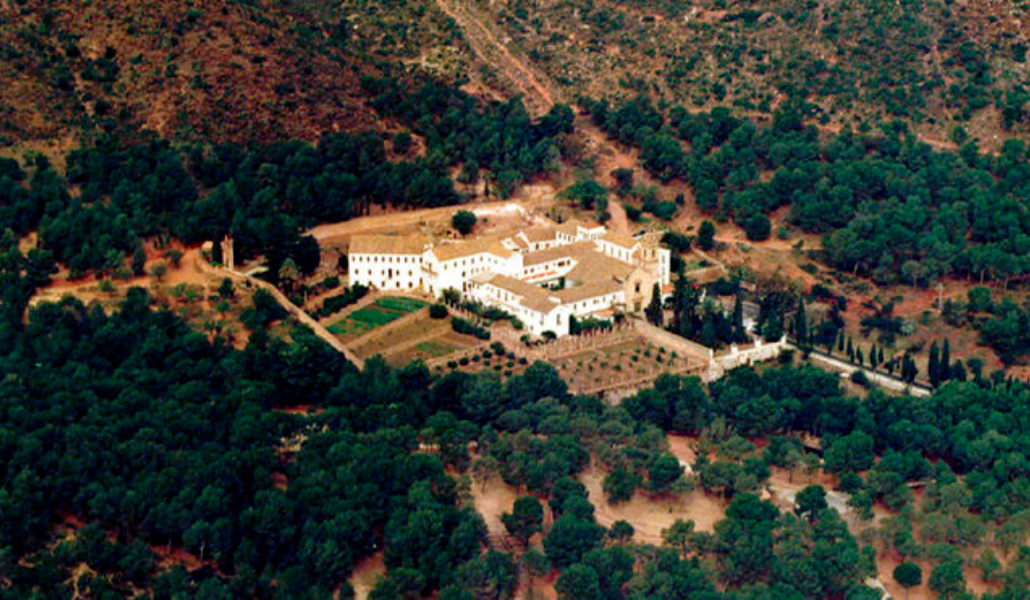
column 228, row 259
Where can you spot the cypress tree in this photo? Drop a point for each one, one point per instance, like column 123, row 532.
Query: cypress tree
column 739, row 333
column 840, row 341
column 958, row 371
column 933, row 365
column 708, row 337
column 879, row 358
column 851, row 350
column 679, row 302
column 944, row 367
column 911, row 369
column 801, row 322
column 773, row 329
column 872, row 357
column 654, row 309
column 858, row 356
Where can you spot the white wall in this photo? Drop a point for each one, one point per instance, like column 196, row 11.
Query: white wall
column 664, row 262
column 386, row 271
column 456, row 272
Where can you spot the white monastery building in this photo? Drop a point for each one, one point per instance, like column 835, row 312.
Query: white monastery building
column 544, row 275
column 387, row 262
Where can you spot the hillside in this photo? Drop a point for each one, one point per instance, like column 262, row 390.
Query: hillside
column 218, row 71
column 933, row 63
column 261, row 70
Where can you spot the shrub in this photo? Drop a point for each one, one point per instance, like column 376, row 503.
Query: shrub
column 337, row 303
column 757, row 227
column 462, row 326
column 438, row 311
column 632, row 212
column 464, row 221
column 706, row 235
column 522, row 360
column 331, row 283
column 452, row 364
column 665, row 210
column 859, row 377
column 464, row 361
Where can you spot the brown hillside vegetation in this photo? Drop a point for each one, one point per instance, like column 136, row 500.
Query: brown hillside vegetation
column 935, row 63
column 218, row 70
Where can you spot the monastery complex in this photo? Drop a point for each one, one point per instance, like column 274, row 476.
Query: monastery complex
column 545, row 275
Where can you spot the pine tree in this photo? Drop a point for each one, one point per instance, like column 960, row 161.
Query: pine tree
column 139, row 261
column 944, row 367
column 739, row 333
column 933, row 369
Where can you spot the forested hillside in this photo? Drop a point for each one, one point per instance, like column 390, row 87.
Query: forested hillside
column 890, row 206
column 94, row 216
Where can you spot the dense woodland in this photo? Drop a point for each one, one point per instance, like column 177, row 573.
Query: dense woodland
column 145, row 437
column 116, row 192
column 890, row 207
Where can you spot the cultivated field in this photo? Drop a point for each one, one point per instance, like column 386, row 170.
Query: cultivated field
column 380, row 312
column 420, row 337
column 637, row 357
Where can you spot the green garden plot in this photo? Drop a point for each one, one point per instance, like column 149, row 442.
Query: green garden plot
column 380, row 312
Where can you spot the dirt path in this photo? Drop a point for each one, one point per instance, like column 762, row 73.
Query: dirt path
column 412, row 220
column 619, row 223
column 293, row 310
column 539, row 97
column 365, row 574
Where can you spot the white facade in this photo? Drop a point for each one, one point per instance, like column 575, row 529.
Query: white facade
column 590, row 270
column 387, row 262
column 387, row 271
